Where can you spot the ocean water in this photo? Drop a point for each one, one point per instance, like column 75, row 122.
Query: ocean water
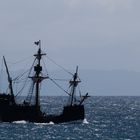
column 107, row 118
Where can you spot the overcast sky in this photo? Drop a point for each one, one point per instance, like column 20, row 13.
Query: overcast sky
column 94, row 34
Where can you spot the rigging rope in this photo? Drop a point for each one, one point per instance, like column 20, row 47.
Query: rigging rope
column 19, row 60
column 59, row 65
column 79, row 91
column 18, row 77
column 60, row 87
column 25, row 80
column 61, row 79
column 1, row 74
column 45, row 66
column 63, row 89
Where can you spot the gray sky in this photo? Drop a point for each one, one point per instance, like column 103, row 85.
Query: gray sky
column 95, row 34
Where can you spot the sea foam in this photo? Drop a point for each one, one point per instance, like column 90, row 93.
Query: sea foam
column 85, row 121
column 20, row 122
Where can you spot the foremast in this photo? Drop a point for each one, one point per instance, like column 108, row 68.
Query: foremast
column 10, row 82
column 37, row 78
column 9, row 78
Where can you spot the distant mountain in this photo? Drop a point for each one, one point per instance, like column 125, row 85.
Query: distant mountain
column 96, row 82
column 115, row 82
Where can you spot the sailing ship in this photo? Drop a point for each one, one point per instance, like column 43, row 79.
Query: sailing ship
column 11, row 111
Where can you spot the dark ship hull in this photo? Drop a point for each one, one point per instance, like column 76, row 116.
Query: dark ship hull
column 10, row 112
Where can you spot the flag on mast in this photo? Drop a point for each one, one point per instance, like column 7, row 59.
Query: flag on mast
column 37, row 42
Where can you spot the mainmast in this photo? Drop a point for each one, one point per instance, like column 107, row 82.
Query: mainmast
column 37, row 78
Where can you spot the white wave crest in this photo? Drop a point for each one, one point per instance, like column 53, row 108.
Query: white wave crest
column 20, row 122
column 44, row 123
column 51, row 122
column 85, row 121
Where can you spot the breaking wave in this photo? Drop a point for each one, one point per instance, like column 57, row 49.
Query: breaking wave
column 20, row 122
column 50, row 123
column 85, row 121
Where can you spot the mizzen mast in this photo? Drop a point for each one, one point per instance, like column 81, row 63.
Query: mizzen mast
column 73, row 84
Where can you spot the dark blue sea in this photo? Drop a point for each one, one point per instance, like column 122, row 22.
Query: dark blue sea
column 107, row 118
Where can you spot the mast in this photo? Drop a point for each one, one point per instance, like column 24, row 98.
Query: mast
column 9, row 80
column 73, row 84
column 38, row 68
